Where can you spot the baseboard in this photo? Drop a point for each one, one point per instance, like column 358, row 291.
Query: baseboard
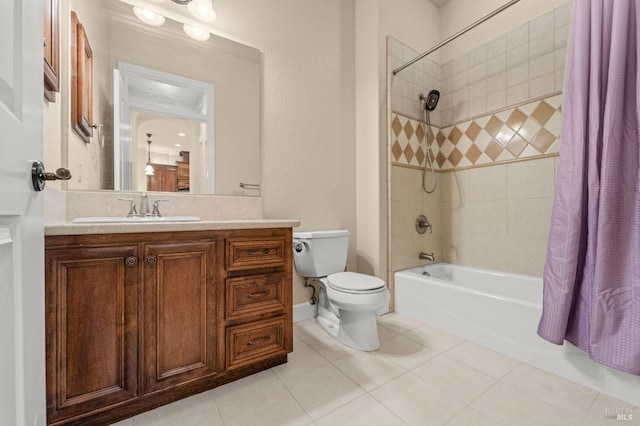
column 304, row 311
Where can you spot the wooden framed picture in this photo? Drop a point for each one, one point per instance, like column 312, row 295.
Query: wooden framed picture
column 51, row 50
column 81, row 81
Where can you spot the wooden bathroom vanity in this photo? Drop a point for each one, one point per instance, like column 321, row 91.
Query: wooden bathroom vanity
column 140, row 319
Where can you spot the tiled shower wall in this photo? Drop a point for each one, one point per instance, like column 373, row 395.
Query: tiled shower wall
column 500, row 104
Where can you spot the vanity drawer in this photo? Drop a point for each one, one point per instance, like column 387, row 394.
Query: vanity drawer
column 255, row 295
column 250, row 342
column 252, row 253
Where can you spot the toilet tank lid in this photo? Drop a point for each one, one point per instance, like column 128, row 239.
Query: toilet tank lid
column 321, row 234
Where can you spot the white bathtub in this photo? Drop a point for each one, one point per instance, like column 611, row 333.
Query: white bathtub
column 501, row 311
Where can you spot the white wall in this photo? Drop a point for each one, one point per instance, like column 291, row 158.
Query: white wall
column 415, row 23
column 324, row 121
column 308, row 109
column 413, row 20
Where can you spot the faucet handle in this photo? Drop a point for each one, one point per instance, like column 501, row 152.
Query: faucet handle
column 132, row 206
column 156, row 205
column 423, row 225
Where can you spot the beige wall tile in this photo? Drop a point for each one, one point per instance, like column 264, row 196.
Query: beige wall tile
column 497, row 216
column 530, row 217
column 486, row 251
column 454, row 187
column 517, row 56
column 541, row 25
column 488, row 183
column 453, row 248
column 526, row 255
column 530, row 179
column 487, row 217
column 518, row 93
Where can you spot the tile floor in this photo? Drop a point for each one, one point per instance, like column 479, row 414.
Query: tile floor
column 420, row 376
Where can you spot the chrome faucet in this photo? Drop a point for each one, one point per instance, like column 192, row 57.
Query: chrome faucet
column 427, row 256
column 156, row 207
column 132, row 207
column 144, row 204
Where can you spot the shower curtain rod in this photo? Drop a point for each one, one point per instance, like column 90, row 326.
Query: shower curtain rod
column 455, row 36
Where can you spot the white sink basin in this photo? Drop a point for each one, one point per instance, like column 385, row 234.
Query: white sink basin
column 145, row 219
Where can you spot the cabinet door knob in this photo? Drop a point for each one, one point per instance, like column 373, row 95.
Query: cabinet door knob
column 131, row 261
column 151, row 259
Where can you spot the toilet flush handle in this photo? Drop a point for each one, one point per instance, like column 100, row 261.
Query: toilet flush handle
column 298, row 246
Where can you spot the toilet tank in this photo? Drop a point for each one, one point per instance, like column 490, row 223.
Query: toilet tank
column 320, row 253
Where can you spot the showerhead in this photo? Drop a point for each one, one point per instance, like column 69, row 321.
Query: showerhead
column 431, row 100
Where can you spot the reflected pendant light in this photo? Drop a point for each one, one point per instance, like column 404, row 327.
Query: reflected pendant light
column 148, row 169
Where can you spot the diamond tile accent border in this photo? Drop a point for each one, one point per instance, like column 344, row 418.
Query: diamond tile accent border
column 526, row 131
column 408, row 141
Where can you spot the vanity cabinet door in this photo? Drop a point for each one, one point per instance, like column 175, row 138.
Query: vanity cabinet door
column 91, row 328
column 180, row 309
column 164, row 179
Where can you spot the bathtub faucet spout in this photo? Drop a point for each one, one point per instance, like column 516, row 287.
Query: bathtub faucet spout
column 427, row 256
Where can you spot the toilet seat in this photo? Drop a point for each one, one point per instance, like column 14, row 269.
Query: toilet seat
column 355, row 283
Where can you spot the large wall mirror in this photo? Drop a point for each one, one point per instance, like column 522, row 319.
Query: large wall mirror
column 198, row 100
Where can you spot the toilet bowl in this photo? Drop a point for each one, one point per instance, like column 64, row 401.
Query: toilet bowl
column 348, row 301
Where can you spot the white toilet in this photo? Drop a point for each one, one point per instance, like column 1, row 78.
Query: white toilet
column 348, row 301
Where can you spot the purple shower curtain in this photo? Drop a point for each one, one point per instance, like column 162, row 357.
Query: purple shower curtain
column 592, row 271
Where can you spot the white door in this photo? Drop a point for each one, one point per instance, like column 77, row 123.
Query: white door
column 22, row 360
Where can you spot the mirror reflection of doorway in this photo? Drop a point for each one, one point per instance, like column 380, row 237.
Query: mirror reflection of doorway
column 158, row 103
column 176, row 153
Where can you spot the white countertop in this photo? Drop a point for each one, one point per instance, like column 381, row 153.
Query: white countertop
column 69, row 228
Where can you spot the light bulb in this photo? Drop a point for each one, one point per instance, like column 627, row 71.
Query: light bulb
column 149, row 17
column 196, row 33
column 148, row 170
column 202, row 9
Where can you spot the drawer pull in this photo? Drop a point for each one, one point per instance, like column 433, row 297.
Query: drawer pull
column 252, row 252
column 261, row 294
column 131, row 261
column 151, row 259
column 258, row 341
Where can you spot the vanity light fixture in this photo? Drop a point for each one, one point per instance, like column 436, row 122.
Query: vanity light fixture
column 149, row 17
column 148, row 169
column 202, row 10
column 196, row 33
